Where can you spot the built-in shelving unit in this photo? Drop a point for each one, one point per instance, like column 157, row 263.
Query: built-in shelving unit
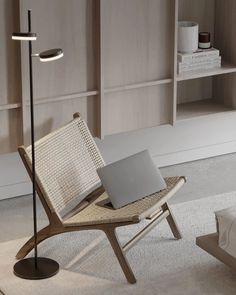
column 207, row 92
column 119, row 68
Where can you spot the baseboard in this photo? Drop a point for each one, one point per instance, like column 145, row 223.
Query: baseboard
column 15, row 190
column 190, row 140
column 179, row 157
column 14, row 180
column 24, row 187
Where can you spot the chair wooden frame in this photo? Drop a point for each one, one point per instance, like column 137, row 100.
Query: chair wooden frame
column 57, row 226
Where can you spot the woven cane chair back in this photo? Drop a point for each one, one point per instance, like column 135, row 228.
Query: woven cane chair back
column 66, row 163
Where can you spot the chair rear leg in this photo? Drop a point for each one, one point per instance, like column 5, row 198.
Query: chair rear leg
column 172, row 222
column 42, row 235
column 112, row 237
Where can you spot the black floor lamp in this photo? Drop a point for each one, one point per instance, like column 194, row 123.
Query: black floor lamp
column 36, row 267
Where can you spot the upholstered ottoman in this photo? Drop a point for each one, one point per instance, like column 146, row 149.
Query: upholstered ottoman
column 222, row 244
column 226, row 228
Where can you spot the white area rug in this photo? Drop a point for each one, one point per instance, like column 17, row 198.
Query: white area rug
column 161, row 264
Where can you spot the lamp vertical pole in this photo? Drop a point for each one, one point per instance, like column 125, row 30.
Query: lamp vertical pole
column 32, row 143
column 35, row 268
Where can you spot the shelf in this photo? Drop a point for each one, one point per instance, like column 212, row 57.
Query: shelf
column 138, row 85
column 64, row 97
column 200, row 108
column 10, row 106
column 224, row 69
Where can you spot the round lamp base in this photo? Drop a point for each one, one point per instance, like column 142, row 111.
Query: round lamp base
column 46, row 268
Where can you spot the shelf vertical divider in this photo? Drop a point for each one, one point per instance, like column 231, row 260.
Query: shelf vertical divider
column 174, row 68
column 100, row 71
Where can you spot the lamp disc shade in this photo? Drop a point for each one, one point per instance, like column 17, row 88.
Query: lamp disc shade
column 51, row 54
column 24, row 36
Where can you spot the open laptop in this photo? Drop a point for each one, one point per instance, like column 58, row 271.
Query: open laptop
column 131, row 179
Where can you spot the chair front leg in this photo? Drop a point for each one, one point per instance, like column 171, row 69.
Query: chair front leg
column 113, row 239
column 172, row 222
column 42, row 235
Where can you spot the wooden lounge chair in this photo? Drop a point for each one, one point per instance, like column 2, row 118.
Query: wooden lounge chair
column 66, row 163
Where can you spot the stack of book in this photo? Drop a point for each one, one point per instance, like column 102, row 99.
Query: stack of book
column 202, row 59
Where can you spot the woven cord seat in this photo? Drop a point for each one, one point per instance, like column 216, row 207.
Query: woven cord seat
column 96, row 213
column 74, row 199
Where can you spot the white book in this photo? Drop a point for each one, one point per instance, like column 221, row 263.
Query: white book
column 200, row 53
column 202, row 60
column 201, row 67
column 184, row 65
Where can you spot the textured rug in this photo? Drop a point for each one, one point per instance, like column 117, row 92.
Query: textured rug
column 161, row 264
